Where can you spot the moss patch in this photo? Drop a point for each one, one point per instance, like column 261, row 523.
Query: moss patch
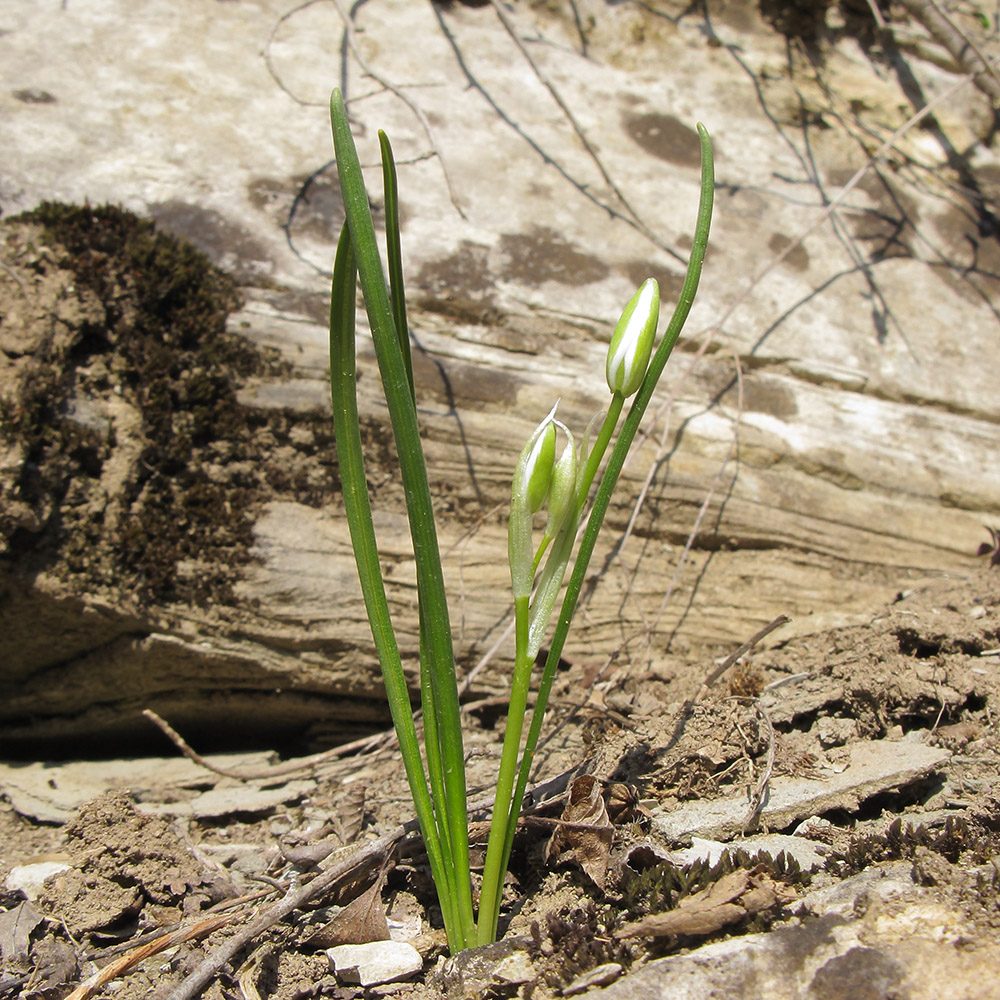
column 140, row 471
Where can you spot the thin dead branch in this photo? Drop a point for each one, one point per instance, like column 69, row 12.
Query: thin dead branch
column 288, row 767
column 132, row 958
column 966, row 53
column 395, row 91
column 841, row 196
column 269, row 63
column 758, row 794
column 351, row 868
column 543, row 78
column 581, row 187
column 350, row 34
column 742, row 651
column 706, row 503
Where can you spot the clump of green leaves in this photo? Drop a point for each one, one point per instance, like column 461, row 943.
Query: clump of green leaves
column 559, row 488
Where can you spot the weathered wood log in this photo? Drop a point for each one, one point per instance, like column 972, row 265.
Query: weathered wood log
column 174, row 539
column 170, row 523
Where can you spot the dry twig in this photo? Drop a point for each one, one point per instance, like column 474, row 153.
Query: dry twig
column 361, row 861
column 966, row 53
column 758, row 794
column 289, row 767
column 350, row 33
column 574, row 124
column 742, row 651
column 132, row 958
column 412, row 105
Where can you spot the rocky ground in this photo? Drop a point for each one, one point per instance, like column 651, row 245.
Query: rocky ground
column 822, row 821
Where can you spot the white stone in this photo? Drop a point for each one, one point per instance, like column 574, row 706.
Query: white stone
column 30, row 878
column 875, row 766
column 375, row 962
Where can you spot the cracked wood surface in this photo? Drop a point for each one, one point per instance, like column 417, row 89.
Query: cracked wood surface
column 854, row 454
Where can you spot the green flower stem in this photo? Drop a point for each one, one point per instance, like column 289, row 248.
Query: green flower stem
column 493, row 871
column 597, row 452
column 530, row 623
column 434, row 618
column 609, row 479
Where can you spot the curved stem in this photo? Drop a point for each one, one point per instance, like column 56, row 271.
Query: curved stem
column 597, row 452
column 611, row 473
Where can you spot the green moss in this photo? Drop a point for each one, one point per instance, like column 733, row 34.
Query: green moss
column 204, row 465
column 957, row 838
column 663, row 886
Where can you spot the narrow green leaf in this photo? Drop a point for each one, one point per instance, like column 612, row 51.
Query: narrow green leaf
column 430, row 577
column 357, row 505
column 394, row 253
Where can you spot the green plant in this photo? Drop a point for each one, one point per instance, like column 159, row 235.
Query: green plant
column 437, row 777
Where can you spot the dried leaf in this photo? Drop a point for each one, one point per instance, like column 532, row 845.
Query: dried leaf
column 56, row 964
column 642, row 856
column 361, row 921
column 585, row 839
column 16, row 926
column 350, row 813
column 739, row 894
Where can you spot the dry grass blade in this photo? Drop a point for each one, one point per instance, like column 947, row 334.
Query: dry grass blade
column 129, row 960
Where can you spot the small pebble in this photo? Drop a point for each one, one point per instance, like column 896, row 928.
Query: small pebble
column 600, row 976
column 374, row 963
column 30, row 878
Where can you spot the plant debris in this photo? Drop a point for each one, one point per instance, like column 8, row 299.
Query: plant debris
column 585, row 832
column 732, row 898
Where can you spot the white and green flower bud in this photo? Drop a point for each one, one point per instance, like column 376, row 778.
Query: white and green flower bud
column 562, row 489
column 632, row 341
column 532, row 478
column 535, row 464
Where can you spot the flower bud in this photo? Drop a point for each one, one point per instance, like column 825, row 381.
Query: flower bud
column 632, row 341
column 532, row 477
column 534, row 468
column 562, row 491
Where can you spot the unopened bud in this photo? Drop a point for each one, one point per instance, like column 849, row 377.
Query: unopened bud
column 532, row 478
column 534, row 468
column 562, row 491
column 632, row 341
